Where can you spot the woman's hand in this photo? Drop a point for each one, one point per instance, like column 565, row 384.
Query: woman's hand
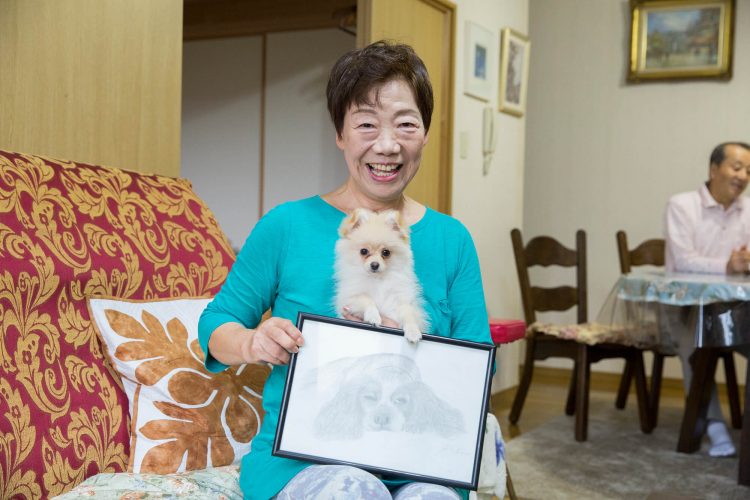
column 272, row 342
column 385, row 321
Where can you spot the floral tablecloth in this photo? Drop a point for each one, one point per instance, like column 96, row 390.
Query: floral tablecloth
column 717, row 305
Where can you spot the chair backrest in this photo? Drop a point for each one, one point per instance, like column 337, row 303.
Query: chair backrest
column 648, row 253
column 546, row 251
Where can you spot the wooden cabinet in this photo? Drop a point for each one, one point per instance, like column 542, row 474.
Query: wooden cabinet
column 93, row 81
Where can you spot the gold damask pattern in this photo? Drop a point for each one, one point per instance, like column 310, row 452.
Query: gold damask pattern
column 70, row 230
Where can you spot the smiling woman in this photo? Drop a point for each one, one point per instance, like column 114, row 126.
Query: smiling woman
column 381, row 120
column 380, row 101
column 382, row 144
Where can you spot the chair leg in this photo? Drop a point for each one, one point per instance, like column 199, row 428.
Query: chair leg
column 654, row 394
column 583, row 373
column 641, row 390
column 622, row 391
column 733, row 391
column 570, row 402
column 509, row 490
column 525, row 382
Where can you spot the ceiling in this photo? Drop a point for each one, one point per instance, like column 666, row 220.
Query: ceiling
column 226, row 18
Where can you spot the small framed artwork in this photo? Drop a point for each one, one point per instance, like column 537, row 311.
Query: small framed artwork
column 514, row 72
column 479, row 57
column 681, row 39
column 362, row 395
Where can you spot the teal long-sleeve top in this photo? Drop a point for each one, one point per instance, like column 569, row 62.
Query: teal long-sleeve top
column 287, row 264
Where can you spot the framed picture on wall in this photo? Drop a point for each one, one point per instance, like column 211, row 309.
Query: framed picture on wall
column 514, row 72
column 362, row 395
column 681, row 39
column 478, row 60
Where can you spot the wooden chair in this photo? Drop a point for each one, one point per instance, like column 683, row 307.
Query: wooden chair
column 651, row 253
column 546, row 251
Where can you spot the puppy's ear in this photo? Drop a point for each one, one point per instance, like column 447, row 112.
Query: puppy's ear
column 342, row 417
column 353, row 221
column 396, row 221
column 429, row 413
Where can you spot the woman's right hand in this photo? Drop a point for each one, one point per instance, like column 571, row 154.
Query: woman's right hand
column 271, row 342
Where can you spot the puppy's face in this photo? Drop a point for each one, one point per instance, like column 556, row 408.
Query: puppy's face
column 384, row 392
column 375, row 240
column 384, row 406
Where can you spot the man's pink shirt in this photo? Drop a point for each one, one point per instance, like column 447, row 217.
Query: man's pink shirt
column 700, row 235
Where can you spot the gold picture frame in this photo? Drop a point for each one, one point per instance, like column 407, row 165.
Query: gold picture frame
column 681, row 39
column 514, row 72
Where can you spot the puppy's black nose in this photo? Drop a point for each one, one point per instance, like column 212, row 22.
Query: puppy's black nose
column 374, row 266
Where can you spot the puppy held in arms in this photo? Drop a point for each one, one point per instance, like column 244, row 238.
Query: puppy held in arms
column 374, row 272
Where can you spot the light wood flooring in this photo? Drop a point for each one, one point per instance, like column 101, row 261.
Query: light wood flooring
column 549, row 388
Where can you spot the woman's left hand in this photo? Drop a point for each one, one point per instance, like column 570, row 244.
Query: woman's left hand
column 385, row 321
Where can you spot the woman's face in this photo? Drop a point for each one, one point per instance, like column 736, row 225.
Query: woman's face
column 382, row 142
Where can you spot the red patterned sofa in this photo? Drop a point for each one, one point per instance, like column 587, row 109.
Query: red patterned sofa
column 71, row 232
column 68, row 231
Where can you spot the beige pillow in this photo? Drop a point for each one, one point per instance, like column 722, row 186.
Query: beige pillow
column 182, row 416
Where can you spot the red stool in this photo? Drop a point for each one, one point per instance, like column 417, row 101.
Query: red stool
column 504, row 331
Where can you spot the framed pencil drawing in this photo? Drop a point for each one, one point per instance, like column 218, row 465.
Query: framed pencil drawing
column 362, row 395
column 479, row 56
column 514, row 72
column 681, row 39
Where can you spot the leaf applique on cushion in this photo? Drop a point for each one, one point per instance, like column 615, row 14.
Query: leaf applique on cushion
column 196, row 432
column 163, row 350
column 184, row 417
column 240, row 387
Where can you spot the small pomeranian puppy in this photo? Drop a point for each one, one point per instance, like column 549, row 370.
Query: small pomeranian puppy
column 374, row 271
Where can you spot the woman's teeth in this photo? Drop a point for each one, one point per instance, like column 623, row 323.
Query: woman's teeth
column 382, row 170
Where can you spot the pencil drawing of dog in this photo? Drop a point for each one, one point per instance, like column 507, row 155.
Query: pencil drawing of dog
column 384, row 392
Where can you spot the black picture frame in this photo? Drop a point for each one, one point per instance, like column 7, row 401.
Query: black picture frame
column 362, row 395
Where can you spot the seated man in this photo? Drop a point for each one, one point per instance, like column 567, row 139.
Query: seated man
column 708, row 231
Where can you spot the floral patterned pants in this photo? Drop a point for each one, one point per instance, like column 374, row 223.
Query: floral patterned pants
column 336, row 482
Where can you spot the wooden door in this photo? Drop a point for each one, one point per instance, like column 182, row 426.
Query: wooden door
column 429, row 27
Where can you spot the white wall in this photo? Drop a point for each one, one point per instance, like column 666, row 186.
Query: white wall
column 490, row 206
column 604, row 155
column 221, row 87
column 301, row 154
column 221, row 150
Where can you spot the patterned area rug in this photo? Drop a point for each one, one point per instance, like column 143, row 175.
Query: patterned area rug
column 617, row 461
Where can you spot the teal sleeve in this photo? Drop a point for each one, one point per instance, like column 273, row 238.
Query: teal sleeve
column 469, row 320
column 251, row 284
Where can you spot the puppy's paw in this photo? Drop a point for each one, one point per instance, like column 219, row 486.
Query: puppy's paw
column 372, row 316
column 412, row 333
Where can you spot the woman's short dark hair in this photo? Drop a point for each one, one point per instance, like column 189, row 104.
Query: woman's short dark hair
column 718, row 154
column 358, row 71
